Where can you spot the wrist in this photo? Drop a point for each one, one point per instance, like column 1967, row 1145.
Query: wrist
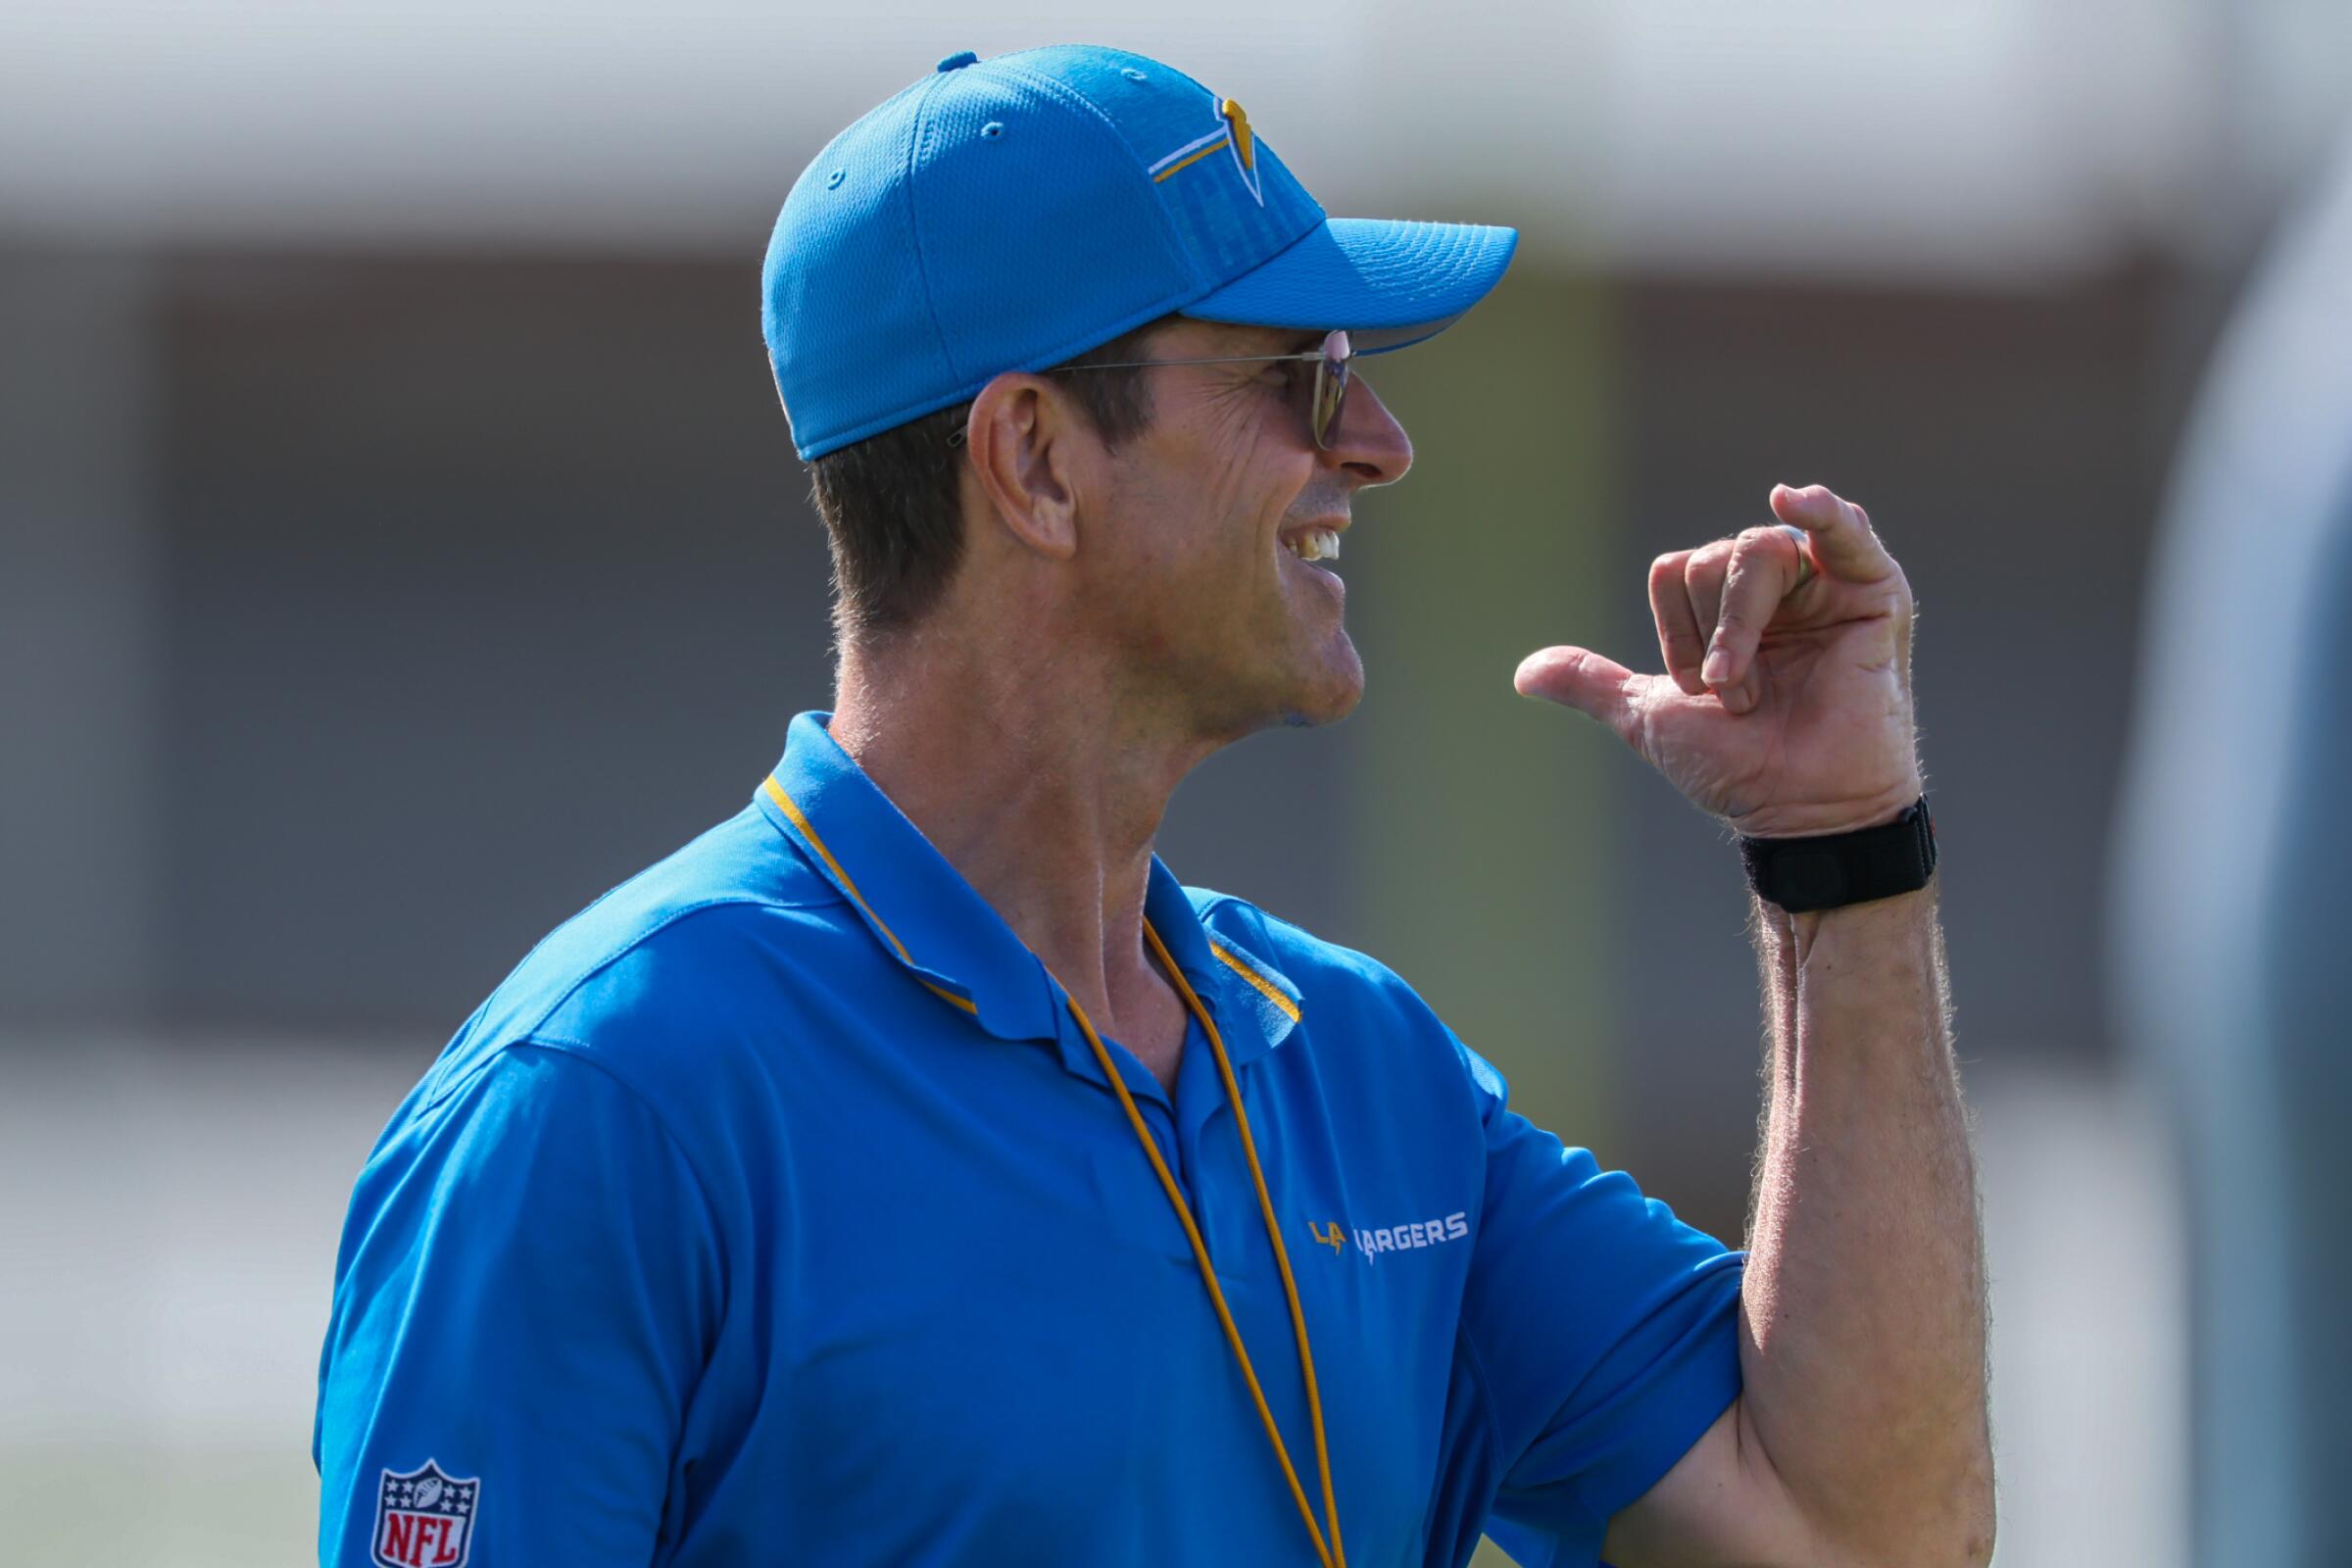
column 1843, row 817
column 1887, row 923
column 1808, row 874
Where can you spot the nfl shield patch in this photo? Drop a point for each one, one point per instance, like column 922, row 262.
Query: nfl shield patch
column 425, row 1519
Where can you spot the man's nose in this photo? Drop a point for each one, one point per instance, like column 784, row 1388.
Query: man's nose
column 1370, row 446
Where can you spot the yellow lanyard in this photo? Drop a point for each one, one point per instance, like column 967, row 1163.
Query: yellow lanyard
column 1333, row 1555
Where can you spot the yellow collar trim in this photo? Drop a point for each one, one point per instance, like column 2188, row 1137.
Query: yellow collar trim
column 1265, row 987
column 794, row 816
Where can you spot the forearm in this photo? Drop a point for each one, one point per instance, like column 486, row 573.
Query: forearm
column 1863, row 1304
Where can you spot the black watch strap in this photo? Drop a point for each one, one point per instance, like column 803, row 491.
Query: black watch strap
column 1835, row 869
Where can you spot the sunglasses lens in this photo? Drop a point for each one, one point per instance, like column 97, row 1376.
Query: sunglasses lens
column 1331, row 390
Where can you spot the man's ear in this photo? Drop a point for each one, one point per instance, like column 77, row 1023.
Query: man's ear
column 1033, row 454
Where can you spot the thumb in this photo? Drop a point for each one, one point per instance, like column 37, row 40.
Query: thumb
column 1579, row 679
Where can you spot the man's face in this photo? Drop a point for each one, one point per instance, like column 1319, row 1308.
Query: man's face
column 1198, row 564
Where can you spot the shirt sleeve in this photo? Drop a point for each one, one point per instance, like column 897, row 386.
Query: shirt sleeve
column 524, row 1301
column 1603, row 1331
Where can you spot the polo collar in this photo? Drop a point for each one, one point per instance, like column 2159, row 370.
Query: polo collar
column 923, row 913
column 918, row 906
column 1254, row 1003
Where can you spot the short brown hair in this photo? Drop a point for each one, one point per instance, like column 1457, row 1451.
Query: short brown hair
column 891, row 506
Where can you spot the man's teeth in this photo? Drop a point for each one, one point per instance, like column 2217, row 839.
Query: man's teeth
column 1316, row 544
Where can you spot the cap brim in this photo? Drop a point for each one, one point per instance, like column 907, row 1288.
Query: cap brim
column 1389, row 281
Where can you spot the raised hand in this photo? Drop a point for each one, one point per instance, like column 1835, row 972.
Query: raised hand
column 1785, row 706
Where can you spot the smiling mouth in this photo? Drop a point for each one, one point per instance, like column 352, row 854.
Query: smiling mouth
column 1313, row 544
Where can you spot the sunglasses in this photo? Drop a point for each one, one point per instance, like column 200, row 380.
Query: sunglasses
column 1325, row 405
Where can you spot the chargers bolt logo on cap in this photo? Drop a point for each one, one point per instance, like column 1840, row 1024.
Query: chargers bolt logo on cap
column 1233, row 131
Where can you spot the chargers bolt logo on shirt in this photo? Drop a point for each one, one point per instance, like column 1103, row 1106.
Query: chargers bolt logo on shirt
column 425, row 1519
column 1233, row 132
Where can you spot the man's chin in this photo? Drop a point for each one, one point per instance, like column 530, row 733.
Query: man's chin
column 1295, row 695
column 1331, row 700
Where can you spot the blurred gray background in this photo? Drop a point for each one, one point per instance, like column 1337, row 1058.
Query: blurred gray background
column 400, row 544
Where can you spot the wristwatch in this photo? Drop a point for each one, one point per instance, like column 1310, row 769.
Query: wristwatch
column 1835, row 869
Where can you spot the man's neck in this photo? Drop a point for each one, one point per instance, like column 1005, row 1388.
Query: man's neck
column 1044, row 794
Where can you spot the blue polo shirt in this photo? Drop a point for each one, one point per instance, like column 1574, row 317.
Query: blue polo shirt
column 775, row 1210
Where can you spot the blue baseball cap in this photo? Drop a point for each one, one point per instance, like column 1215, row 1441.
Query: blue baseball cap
column 1009, row 214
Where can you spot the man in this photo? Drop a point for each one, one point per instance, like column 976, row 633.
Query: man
column 910, row 1170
